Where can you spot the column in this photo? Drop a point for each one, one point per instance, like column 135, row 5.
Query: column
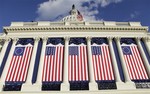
column 146, row 63
column 114, row 62
column 125, row 71
column 118, row 80
column 65, row 84
column 4, row 48
column 147, row 44
column 4, row 73
column 38, row 84
column 27, row 85
column 92, row 85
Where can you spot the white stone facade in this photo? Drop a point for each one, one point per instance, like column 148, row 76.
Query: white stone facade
column 72, row 27
column 45, row 29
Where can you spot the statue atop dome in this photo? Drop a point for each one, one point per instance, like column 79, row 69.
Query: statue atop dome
column 73, row 11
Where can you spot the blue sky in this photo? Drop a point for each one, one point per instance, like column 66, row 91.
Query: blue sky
column 54, row 10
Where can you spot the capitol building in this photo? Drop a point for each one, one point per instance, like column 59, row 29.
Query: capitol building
column 73, row 56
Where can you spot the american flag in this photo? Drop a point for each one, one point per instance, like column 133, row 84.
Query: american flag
column 77, row 63
column 134, row 62
column 19, row 64
column 103, row 69
column 79, row 16
column 53, row 63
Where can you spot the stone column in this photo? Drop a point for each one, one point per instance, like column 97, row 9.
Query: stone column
column 38, row 83
column 65, row 84
column 118, row 80
column 4, row 48
column 92, row 85
column 147, row 43
column 145, row 61
column 128, row 83
column 114, row 62
column 28, row 84
column 4, row 73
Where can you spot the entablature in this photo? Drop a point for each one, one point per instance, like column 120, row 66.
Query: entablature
column 78, row 28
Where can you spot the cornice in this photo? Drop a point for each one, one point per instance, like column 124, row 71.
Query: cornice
column 103, row 28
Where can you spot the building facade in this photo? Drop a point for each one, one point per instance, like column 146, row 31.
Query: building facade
column 75, row 56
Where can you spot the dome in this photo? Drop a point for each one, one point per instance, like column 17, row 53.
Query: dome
column 75, row 15
column 72, row 18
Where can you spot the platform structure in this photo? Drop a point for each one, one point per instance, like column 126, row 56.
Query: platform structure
column 75, row 56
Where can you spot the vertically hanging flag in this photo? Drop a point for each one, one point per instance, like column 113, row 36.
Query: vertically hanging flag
column 103, row 69
column 79, row 16
column 77, row 63
column 134, row 62
column 53, row 63
column 19, row 64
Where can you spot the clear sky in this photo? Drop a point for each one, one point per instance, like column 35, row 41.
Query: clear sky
column 54, row 10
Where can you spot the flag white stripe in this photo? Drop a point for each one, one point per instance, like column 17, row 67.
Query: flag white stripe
column 49, row 67
column 80, row 66
column 57, row 63
column 61, row 64
column 86, row 63
column 52, row 64
column 69, row 68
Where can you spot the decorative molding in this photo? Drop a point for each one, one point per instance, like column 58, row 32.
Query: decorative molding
column 8, row 29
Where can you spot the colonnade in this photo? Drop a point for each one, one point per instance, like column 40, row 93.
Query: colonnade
column 28, row 86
